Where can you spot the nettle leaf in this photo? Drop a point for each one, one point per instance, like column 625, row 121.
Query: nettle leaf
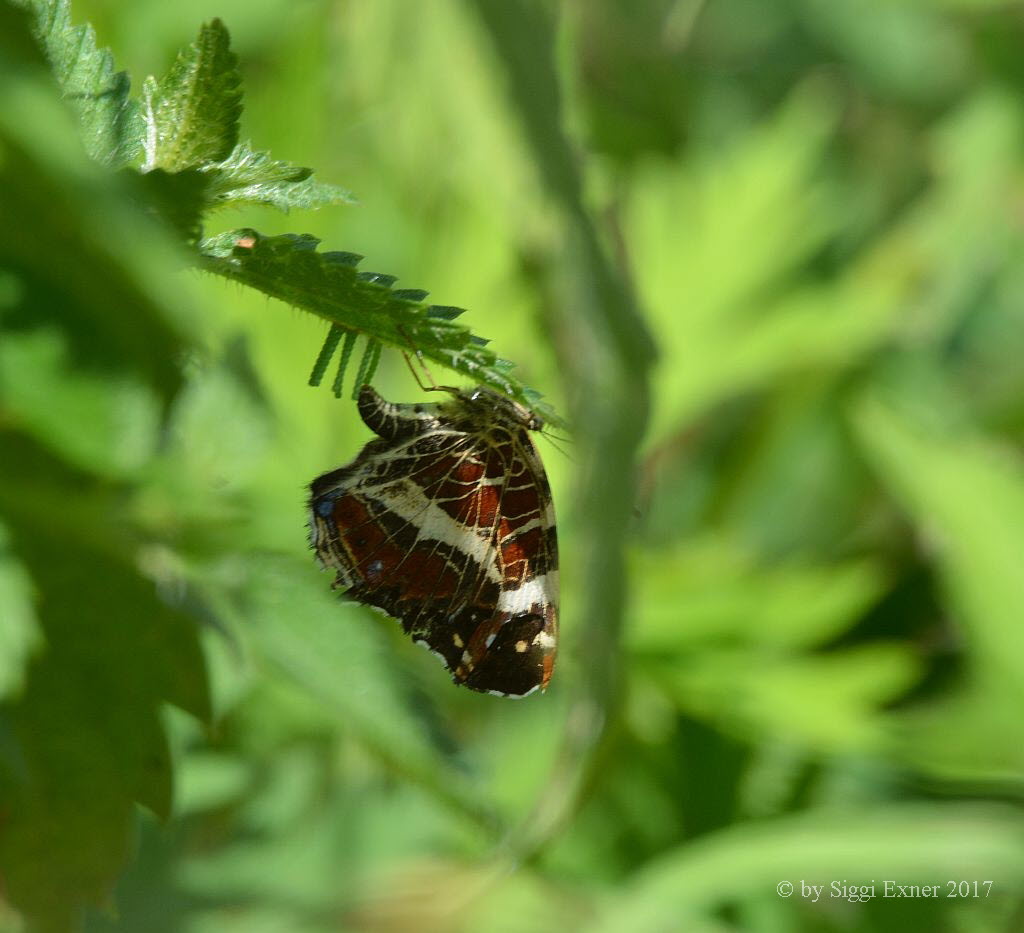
column 192, row 114
column 110, row 120
column 327, row 284
column 250, row 177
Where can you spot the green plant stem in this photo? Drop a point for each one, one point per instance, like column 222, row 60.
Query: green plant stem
column 609, row 370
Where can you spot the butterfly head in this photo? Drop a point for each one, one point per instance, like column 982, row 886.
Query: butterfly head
column 493, row 406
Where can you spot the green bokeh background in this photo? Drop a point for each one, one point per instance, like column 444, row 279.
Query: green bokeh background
column 819, row 207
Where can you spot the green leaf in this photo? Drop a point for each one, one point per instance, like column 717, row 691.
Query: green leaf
column 965, row 494
column 84, row 742
column 731, row 641
column 713, row 591
column 830, row 702
column 288, row 267
column 338, row 655
column 764, row 198
column 192, row 114
column 19, row 48
column 101, row 422
column 64, row 247
column 111, row 125
column 250, row 177
column 909, row 844
column 177, row 199
column 20, row 635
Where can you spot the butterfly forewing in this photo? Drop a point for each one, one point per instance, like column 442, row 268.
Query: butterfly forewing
column 445, row 522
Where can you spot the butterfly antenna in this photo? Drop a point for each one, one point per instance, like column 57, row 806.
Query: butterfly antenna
column 556, row 442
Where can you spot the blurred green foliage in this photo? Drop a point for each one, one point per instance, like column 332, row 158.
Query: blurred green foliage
column 815, row 207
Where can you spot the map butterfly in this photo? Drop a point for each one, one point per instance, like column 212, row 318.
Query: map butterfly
column 445, row 522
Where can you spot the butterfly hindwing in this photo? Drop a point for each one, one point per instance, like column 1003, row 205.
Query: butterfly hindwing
column 445, row 522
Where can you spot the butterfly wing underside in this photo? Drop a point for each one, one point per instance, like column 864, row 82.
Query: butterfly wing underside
column 445, row 522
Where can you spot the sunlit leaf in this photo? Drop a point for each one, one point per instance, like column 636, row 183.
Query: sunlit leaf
column 250, row 177
column 110, row 120
column 192, row 114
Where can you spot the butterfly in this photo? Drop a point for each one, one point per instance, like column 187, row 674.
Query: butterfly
column 445, row 522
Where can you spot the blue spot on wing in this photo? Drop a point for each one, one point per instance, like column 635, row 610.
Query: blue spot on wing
column 324, row 506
